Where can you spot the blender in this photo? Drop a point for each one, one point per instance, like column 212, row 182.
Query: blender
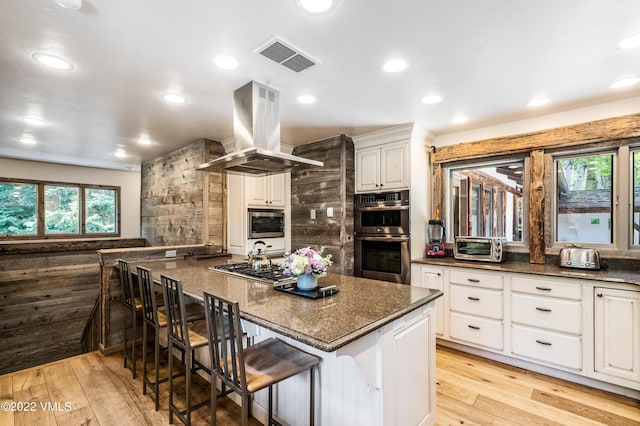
column 435, row 238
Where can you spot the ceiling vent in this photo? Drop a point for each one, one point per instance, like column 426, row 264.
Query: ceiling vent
column 287, row 55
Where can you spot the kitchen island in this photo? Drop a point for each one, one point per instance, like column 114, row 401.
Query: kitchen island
column 376, row 340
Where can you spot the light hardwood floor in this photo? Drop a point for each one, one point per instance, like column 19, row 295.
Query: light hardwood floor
column 470, row 391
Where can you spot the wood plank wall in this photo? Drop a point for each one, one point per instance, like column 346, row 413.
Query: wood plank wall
column 321, row 187
column 180, row 204
column 47, row 291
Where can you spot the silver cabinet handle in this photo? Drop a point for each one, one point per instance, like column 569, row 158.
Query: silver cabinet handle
column 543, row 309
column 542, row 342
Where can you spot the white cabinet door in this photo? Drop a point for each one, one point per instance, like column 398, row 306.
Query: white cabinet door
column 617, row 334
column 266, row 191
column 394, row 161
column 432, row 277
column 368, row 170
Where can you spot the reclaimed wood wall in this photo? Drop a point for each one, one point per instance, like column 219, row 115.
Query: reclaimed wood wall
column 180, row 204
column 322, row 187
column 47, row 292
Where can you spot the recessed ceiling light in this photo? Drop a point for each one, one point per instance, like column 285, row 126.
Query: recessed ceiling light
column 27, row 139
column 625, row 82
column 70, row 4
column 395, row 65
column 306, row 99
column 144, row 140
column 225, row 62
column 459, row 119
column 630, row 42
column 431, row 99
column 120, row 153
column 536, row 102
column 316, row 6
column 34, row 121
column 174, row 98
column 53, row 61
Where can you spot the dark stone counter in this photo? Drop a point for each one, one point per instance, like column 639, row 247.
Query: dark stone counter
column 361, row 306
column 610, row 275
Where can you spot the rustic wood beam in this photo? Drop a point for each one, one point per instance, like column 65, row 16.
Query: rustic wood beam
column 437, row 192
column 574, row 135
column 536, row 208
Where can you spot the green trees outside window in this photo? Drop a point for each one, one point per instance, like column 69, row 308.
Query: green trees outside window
column 36, row 209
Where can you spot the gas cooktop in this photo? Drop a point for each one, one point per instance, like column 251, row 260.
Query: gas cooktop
column 272, row 274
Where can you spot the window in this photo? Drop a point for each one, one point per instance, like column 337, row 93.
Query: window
column 584, row 198
column 31, row 209
column 486, row 200
column 635, row 193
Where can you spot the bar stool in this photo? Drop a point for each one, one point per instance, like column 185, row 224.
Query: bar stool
column 248, row 370
column 187, row 337
column 132, row 308
column 154, row 316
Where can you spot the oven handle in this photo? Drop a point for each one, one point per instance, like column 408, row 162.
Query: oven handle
column 393, row 238
column 380, row 208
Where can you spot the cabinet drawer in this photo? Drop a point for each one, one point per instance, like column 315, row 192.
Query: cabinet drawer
column 476, row 301
column 479, row 331
column 546, row 312
column 546, row 346
column 565, row 290
column 473, row 277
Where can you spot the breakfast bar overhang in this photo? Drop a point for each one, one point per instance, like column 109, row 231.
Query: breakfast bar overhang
column 376, row 340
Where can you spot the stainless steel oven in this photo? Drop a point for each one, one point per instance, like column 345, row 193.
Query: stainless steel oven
column 265, row 223
column 382, row 236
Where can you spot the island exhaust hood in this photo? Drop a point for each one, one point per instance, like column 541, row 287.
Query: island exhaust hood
column 256, row 128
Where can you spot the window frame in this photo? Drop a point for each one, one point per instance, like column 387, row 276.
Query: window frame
column 40, row 211
column 448, row 204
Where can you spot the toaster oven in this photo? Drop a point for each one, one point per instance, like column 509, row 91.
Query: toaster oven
column 486, row 249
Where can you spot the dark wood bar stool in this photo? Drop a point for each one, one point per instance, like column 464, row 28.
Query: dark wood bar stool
column 186, row 336
column 132, row 308
column 248, row 370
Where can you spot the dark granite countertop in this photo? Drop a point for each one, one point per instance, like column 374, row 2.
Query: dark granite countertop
column 361, row 306
column 610, row 275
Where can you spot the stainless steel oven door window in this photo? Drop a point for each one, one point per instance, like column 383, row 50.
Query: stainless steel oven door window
column 383, row 258
column 382, row 220
column 265, row 223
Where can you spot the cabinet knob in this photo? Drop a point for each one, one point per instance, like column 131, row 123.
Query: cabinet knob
column 599, row 294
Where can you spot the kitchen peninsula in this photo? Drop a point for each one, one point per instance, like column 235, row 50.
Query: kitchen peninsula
column 376, row 340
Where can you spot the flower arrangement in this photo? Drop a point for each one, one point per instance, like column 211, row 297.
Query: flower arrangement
column 306, row 261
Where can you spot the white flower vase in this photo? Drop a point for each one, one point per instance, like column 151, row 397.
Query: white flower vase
column 307, row 282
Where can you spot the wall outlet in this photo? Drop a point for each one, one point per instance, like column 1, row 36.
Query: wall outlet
column 313, row 214
column 329, row 211
column 170, row 253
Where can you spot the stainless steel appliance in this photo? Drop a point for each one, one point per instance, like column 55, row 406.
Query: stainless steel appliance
column 256, row 128
column 381, row 242
column 581, row 258
column 487, row 249
column 265, row 223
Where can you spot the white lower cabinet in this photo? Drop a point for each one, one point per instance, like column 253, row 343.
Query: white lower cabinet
column 617, row 336
column 580, row 329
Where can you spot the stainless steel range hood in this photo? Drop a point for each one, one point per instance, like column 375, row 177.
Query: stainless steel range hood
column 256, row 128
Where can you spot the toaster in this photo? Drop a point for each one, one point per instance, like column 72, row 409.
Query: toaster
column 581, row 258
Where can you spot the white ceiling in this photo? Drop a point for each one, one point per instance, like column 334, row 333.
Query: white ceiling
column 486, row 58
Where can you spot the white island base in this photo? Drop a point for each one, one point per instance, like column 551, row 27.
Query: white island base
column 386, row 377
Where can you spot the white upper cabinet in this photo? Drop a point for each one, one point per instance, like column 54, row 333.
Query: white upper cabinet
column 266, row 191
column 382, row 168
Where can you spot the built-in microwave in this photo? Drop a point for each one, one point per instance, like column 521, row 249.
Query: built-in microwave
column 265, row 223
column 487, row 249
